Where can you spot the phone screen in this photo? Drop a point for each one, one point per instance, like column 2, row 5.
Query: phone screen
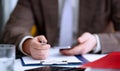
column 50, row 68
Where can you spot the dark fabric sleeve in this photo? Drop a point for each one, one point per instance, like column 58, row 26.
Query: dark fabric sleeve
column 19, row 24
column 111, row 41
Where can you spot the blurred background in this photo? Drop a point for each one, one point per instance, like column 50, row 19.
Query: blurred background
column 6, row 7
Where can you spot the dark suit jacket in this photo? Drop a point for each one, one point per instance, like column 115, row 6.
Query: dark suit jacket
column 96, row 16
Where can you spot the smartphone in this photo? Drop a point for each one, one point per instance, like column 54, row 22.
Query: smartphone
column 68, row 47
column 51, row 68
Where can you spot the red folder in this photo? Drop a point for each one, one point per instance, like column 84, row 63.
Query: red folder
column 111, row 60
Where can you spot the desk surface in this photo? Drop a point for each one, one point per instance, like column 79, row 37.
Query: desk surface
column 18, row 66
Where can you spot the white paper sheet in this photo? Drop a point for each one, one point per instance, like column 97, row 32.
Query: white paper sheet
column 93, row 57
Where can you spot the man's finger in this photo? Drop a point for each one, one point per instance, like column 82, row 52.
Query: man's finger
column 41, row 38
column 84, row 37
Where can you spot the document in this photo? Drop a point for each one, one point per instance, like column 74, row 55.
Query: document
column 54, row 58
column 93, row 57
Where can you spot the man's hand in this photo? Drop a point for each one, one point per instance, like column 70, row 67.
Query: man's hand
column 35, row 49
column 87, row 42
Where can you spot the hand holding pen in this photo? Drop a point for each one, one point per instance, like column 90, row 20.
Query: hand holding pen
column 37, row 47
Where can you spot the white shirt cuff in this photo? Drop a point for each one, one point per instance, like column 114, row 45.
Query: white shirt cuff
column 98, row 47
column 21, row 43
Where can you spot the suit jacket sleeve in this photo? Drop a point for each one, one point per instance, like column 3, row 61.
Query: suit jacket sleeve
column 111, row 41
column 19, row 24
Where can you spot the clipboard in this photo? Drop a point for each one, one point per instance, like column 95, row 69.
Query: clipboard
column 54, row 64
column 54, row 59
